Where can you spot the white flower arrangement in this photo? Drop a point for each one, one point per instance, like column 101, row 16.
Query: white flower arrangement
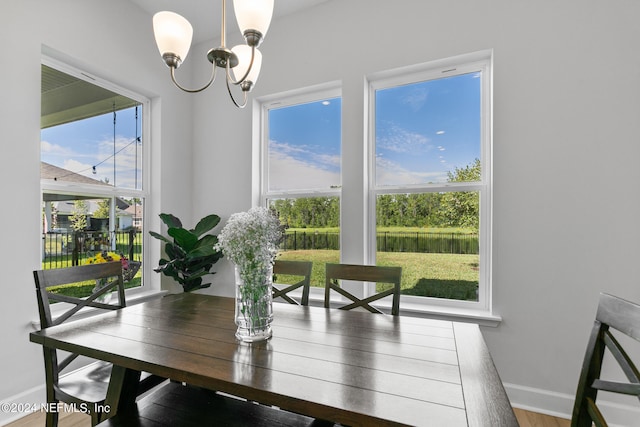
column 250, row 240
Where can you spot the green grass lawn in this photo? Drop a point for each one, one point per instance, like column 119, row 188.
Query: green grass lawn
column 83, row 289
column 390, row 229
column 448, row 276
column 433, row 275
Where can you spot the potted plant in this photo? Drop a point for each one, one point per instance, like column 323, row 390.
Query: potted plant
column 191, row 253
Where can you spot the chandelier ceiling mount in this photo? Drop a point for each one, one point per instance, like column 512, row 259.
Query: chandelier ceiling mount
column 242, row 63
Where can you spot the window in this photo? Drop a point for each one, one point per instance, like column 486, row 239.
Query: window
column 92, row 171
column 430, row 181
column 301, row 177
column 426, row 196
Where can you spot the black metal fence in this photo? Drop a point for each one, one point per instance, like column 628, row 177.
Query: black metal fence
column 389, row 241
column 64, row 249
column 427, row 242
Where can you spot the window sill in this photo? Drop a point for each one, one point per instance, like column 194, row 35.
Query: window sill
column 454, row 314
column 132, row 298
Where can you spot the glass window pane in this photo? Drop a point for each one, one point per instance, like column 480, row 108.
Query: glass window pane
column 77, row 230
column 434, row 238
column 425, row 130
column 312, row 233
column 95, row 150
column 304, row 146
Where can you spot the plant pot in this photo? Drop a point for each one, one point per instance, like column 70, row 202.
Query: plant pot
column 254, row 303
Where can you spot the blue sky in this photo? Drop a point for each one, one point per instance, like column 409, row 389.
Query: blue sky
column 304, row 142
column 80, row 145
column 423, row 131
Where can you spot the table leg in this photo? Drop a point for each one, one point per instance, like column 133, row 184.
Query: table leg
column 122, row 391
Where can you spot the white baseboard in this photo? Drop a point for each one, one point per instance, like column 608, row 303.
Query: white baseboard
column 541, row 401
column 20, row 405
column 561, row 405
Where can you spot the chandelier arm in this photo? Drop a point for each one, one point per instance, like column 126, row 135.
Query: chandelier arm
column 232, row 97
column 229, row 78
column 175, row 82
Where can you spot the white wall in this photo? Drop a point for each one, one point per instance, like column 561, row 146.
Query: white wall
column 565, row 151
column 566, row 199
column 112, row 40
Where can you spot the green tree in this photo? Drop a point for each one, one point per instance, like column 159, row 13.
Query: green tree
column 462, row 208
column 103, row 209
column 308, row 212
column 79, row 215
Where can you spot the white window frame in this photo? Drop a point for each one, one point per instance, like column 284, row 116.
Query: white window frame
column 480, row 61
column 100, row 191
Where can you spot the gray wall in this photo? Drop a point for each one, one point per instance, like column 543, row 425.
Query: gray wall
column 565, row 151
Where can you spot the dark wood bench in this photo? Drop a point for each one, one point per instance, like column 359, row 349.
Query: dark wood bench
column 176, row 405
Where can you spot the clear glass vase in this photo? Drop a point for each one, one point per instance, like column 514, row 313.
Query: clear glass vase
column 254, row 303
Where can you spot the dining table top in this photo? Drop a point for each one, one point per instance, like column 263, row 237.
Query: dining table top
column 349, row 367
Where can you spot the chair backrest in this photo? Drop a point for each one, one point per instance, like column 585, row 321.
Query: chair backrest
column 624, row 317
column 364, row 273
column 106, row 277
column 293, row 268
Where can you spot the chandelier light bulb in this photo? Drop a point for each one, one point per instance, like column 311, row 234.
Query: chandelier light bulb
column 243, row 52
column 253, row 16
column 173, row 35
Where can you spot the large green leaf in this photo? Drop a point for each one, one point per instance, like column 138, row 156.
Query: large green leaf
column 206, row 245
column 183, row 238
column 208, row 240
column 205, row 224
column 171, row 221
column 202, row 251
column 197, row 265
column 173, row 251
column 159, row 236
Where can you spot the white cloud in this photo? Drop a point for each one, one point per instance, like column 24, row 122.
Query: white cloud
column 400, row 140
column 48, row 148
column 78, row 167
column 289, row 169
column 390, row 173
column 125, row 149
column 417, row 98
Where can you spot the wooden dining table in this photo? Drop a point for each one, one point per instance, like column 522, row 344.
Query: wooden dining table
column 349, row 367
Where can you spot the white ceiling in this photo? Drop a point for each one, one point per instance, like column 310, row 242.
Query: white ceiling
column 205, row 15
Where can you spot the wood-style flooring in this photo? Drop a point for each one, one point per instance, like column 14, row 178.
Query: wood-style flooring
column 534, row 419
column 525, row 418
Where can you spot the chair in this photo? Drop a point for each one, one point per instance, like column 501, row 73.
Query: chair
column 624, row 317
column 85, row 387
column 293, row 268
column 365, row 273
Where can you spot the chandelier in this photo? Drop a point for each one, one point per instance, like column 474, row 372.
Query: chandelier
column 173, row 34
